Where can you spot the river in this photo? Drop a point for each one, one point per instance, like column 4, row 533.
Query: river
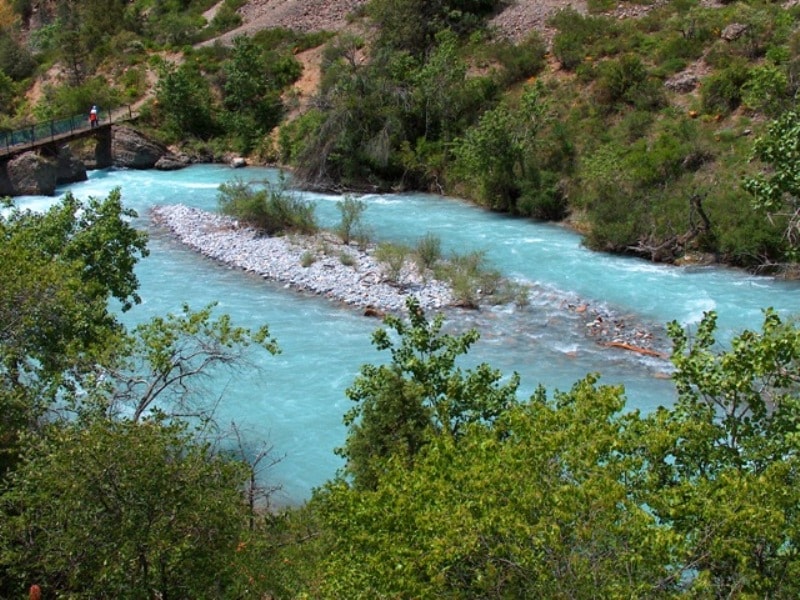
column 295, row 401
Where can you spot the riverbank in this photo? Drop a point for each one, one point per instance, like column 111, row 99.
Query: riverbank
column 320, row 264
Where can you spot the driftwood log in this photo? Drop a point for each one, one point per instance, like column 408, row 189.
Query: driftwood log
column 637, row 349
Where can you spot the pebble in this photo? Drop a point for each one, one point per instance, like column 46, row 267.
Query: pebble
column 282, row 258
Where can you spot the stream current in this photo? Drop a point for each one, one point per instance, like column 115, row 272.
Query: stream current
column 295, row 401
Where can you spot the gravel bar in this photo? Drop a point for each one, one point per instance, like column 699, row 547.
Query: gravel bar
column 334, row 270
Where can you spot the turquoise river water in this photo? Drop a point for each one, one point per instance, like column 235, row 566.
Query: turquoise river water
column 295, row 401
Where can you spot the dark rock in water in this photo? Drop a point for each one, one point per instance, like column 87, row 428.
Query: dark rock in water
column 31, row 174
column 133, row 150
column 70, row 167
column 173, row 162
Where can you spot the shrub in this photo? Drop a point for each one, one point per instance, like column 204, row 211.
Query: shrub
column 351, row 210
column 428, row 251
column 722, row 91
column 767, row 90
column 626, row 80
column 393, row 256
column 347, row 259
column 523, row 60
column 542, row 197
column 576, row 34
column 470, row 278
column 270, row 210
column 308, row 258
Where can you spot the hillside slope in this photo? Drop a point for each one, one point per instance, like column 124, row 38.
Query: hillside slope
column 516, row 21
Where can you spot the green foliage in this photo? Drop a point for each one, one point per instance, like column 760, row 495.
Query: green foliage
column 226, row 17
column 294, row 137
column 498, row 160
column 184, row 101
column 529, row 506
column 251, row 88
column 385, row 119
column 766, row 90
column 572, row 496
column 7, row 94
column 626, row 80
column 419, row 396
column 428, row 251
column 521, row 61
column 58, row 271
column 352, row 212
column 777, row 193
column 122, row 509
column 271, row 210
column 393, row 256
column 70, row 100
column 723, row 463
column 412, row 25
column 16, row 60
column 722, row 91
column 576, row 34
column 745, row 241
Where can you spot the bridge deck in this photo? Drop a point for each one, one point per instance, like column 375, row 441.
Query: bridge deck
column 63, row 130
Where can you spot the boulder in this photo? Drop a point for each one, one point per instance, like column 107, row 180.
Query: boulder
column 131, row 149
column 172, row 161
column 238, row 162
column 70, row 168
column 733, row 31
column 682, row 83
column 32, row 174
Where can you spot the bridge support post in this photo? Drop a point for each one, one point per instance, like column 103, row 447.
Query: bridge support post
column 102, row 150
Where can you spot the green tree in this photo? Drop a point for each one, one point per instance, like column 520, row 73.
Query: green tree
column 122, row 510
column 15, row 59
column 253, row 106
column 499, row 159
column 184, row 98
column 58, row 271
column 723, row 464
column 412, row 25
column 420, row 395
column 777, row 193
column 154, row 370
column 531, row 505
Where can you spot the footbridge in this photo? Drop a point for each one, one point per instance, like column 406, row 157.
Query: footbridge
column 48, row 136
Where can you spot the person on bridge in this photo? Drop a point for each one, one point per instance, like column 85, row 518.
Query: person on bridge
column 93, row 116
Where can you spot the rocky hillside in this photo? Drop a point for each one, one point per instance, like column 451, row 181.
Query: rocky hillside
column 515, row 21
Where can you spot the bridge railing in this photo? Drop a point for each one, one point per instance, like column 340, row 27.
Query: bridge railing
column 47, row 131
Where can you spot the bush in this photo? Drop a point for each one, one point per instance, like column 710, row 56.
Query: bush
column 722, row 91
column 471, row 279
column 542, row 198
column 523, row 60
column 351, row 210
column 576, row 34
column 767, row 90
column 626, row 80
column 271, row 210
column 428, row 251
column 394, row 257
